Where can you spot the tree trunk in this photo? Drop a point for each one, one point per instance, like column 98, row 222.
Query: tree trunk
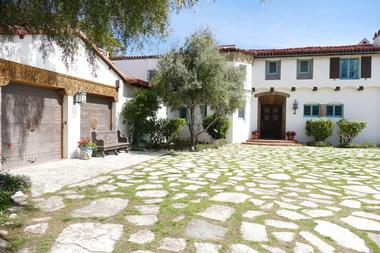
column 193, row 136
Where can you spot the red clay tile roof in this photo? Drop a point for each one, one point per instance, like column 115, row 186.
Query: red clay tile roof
column 138, row 57
column 322, row 50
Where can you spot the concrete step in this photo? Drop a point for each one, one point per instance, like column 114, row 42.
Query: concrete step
column 272, row 142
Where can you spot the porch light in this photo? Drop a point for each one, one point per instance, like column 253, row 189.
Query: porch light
column 80, row 97
column 295, row 106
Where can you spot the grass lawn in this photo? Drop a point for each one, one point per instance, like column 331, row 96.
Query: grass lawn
column 262, row 199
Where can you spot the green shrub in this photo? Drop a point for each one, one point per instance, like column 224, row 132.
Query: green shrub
column 140, row 114
column 319, row 129
column 216, row 144
column 180, row 144
column 349, row 129
column 319, row 144
column 9, row 185
column 361, row 145
column 219, row 128
column 172, row 128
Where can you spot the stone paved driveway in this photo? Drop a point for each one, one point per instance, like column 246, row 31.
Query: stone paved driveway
column 239, row 199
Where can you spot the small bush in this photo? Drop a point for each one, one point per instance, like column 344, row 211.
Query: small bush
column 319, row 129
column 361, row 145
column 172, row 128
column 319, row 144
column 349, row 129
column 218, row 129
column 180, row 144
column 216, row 144
column 9, row 185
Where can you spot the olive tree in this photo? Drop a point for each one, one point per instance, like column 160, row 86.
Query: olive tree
column 197, row 74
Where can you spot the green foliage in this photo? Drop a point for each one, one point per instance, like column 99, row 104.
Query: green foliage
column 361, row 145
column 198, row 74
column 140, row 114
column 319, row 129
column 319, row 144
column 349, row 129
column 9, row 185
column 217, row 127
column 165, row 131
column 215, row 145
column 112, row 25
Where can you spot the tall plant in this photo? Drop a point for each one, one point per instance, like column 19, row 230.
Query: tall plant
column 197, row 74
column 140, row 114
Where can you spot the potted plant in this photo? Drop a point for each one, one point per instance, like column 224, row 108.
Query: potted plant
column 86, row 147
column 290, row 135
column 4, row 153
column 256, row 135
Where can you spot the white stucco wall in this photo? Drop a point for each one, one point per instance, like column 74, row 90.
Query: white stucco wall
column 358, row 105
column 26, row 51
column 321, row 74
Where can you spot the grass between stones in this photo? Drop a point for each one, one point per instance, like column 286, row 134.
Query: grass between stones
column 237, row 166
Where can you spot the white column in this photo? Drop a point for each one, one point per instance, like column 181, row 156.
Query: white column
column 71, row 127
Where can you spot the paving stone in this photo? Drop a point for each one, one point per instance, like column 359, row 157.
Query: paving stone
column 3, row 244
column 218, row 212
column 39, row 228
column 74, row 196
column 51, row 204
column 201, row 247
column 253, row 232
column 322, row 246
column 148, row 209
column 291, row 215
column 361, row 188
column 341, row 236
column 367, row 215
column 173, row 244
column 303, row 248
column 273, row 249
column 279, row 176
column 231, row 197
column 281, row 224
column 179, row 218
column 106, row 207
column 141, row 237
column 202, row 230
column 106, row 188
column 318, row 213
column 351, row 203
column 253, row 214
column 241, row 248
column 152, row 194
column 284, row 236
column 362, row 223
column 88, row 237
column 142, row 220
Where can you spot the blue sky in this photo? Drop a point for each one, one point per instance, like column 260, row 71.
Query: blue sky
column 277, row 24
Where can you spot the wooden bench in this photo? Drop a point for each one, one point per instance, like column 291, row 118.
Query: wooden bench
column 109, row 141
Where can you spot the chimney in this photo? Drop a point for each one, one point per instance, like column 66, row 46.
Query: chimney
column 376, row 38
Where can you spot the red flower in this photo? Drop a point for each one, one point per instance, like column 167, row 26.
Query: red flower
column 9, row 145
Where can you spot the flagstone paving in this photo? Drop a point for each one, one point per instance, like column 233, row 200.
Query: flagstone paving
column 238, row 199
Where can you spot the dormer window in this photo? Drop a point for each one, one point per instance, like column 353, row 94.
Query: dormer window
column 305, row 69
column 273, row 70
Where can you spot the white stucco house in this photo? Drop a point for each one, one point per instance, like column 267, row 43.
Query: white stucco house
column 40, row 116
column 286, row 87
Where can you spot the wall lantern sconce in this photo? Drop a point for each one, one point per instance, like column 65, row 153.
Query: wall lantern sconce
column 80, row 97
column 295, row 106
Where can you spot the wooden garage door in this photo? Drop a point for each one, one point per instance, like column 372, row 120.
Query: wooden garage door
column 95, row 113
column 31, row 122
